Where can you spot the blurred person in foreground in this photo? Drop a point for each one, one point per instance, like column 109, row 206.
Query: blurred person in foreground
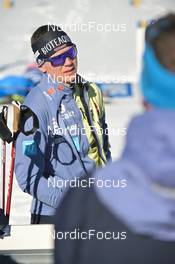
column 132, row 221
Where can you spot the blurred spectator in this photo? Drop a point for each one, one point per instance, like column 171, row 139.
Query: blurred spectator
column 128, row 216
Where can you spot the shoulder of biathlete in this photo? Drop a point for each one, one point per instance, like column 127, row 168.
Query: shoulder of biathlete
column 36, row 102
column 36, row 99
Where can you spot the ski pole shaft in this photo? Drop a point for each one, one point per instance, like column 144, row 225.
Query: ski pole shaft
column 16, row 114
column 3, row 173
column 5, row 115
column 10, row 185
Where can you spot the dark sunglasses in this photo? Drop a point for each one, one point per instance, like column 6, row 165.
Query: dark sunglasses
column 60, row 59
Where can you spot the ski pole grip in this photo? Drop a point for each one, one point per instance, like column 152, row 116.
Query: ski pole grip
column 5, row 133
column 16, row 115
column 5, row 111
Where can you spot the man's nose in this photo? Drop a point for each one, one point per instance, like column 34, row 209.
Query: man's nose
column 68, row 62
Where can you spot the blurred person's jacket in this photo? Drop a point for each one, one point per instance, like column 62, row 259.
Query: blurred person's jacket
column 144, row 209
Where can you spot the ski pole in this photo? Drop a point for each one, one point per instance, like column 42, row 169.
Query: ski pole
column 16, row 115
column 4, row 117
column 21, row 115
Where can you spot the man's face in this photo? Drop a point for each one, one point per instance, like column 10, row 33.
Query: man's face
column 65, row 73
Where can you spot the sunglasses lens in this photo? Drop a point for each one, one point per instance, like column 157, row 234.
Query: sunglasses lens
column 60, row 59
column 72, row 53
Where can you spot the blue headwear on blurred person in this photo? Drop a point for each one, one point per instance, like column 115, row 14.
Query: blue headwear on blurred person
column 157, row 82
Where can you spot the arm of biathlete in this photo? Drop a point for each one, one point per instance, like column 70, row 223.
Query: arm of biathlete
column 30, row 163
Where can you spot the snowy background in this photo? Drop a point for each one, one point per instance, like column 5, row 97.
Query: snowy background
column 110, row 55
